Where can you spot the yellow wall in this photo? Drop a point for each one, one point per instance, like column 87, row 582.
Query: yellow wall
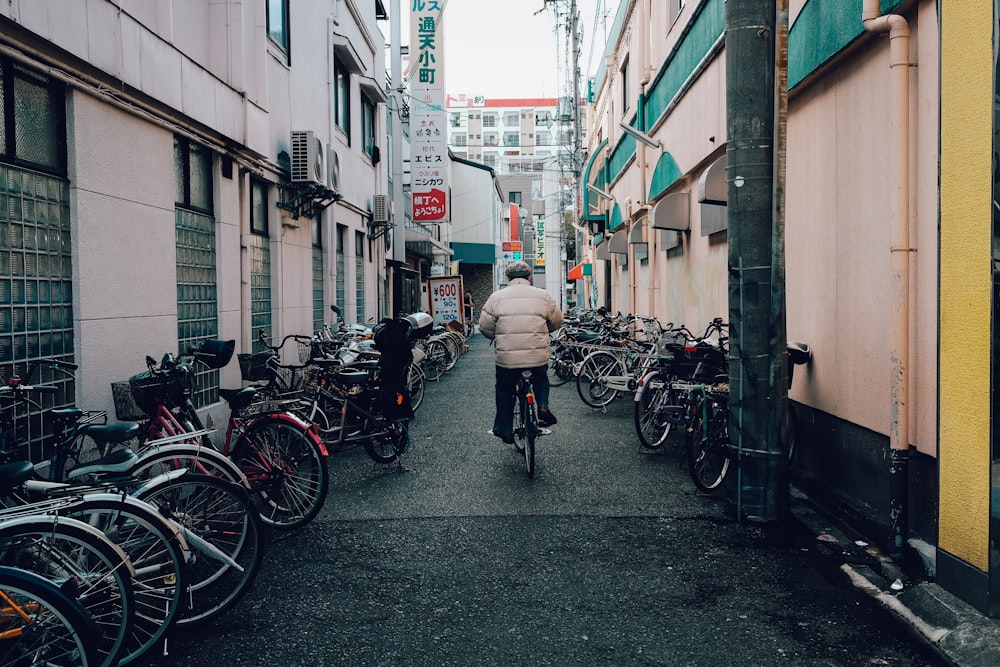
column 966, row 199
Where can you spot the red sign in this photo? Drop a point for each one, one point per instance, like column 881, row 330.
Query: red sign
column 429, row 206
column 510, row 246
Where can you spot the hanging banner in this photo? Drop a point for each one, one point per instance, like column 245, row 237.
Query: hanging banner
column 428, row 121
column 540, row 242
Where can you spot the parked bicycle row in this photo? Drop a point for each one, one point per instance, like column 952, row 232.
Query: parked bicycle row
column 154, row 520
column 678, row 381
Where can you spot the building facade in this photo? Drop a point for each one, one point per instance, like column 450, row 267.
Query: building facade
column 888, row 243
column 179, row 171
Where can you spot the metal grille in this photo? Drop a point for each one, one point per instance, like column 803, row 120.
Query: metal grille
column 197, row 301
column 260, row 288
column 36, row 286
column 319, row 310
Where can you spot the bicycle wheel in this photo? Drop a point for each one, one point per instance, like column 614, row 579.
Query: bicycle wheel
column 707, row 442
column 525, row 431
column 42, row 625
column 436, row 359
column 388, row 441
column 591, row 382
column 67, row 551
column 286, row 469
column 561, row 367
column 158, row 555
column 416, row 385
column 220, row 513
column 196, row 458
column 651, row 424
column 454, row 344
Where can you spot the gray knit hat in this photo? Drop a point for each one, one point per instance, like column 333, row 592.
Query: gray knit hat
column 517, row 270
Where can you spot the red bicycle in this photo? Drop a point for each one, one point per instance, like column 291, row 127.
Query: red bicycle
column 282, row 456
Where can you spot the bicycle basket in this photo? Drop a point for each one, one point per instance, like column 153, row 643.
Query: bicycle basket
column 149, row 390
column 126, row 408
column 253, row 366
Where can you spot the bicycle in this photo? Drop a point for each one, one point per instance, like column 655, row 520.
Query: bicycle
column 41, row 624
column 526, row 427
column 281, row 456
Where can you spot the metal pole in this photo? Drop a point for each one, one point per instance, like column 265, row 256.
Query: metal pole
column 396, row 97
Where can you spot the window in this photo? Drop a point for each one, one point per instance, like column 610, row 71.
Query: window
column 359, row 276
column 342, row 101
column 260, row 265
column 491, row 140
column 514, row 198
column 34, row 108
column 511, row 139
column 340, row 287
column 510, row 118
column 197, row 298
column 192, row 175
column 623, row 72
column 490, row 160
column 460, row 140
column 489, row 120
column 368, row 127
column 319, row 303
column 277, row 24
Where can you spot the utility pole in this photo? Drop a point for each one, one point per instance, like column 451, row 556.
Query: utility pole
column 758, row 389
column 396, row 97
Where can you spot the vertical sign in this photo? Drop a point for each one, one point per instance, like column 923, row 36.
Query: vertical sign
column 428, row 125
column 446, row 297
column 540, row 242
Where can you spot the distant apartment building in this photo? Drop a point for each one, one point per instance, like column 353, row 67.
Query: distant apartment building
column 531, row 137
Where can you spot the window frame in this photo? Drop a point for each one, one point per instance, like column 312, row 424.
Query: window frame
column 11, row 72
column 281, row 39
column 342, row 98
column 368, row 126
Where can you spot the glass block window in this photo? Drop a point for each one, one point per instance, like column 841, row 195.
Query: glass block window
column 341, row 292
column 197, row 299
column 36, row 291
column 359, row 276
column 319, row 303
column 260, row 266
column 197, row 296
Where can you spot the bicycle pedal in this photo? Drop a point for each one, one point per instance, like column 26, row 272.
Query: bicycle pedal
column 544, row 431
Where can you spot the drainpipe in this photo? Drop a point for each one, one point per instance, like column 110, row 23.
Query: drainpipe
column 899, row 441
column 640, row 30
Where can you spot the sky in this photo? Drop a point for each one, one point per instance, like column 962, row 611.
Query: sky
column 507, row 48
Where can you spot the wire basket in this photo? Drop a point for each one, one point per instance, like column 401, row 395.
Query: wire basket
column 126, row 409
column 253, row 366
column 170, row 390
column 305, row 350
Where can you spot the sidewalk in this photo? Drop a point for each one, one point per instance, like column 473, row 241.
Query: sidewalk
column 960, row 633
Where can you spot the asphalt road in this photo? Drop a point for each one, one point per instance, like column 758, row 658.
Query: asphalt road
column 607, row 557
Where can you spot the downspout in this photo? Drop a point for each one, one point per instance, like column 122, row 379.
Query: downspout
column 639, row 29
column 899, row 325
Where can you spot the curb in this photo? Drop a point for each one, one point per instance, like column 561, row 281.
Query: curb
column 962, row 635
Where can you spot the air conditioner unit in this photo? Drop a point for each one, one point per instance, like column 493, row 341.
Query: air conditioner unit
column 381, row 209
column 308, row 158
column 333, row 164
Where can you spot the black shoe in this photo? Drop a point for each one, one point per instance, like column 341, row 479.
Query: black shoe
column 508, row 438
column 546, row 418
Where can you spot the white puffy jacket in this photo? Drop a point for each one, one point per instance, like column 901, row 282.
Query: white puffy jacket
column 519, row 318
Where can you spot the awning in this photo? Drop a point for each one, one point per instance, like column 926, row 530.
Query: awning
column 425, row 245
column 618, row 243
column 673, row 212
column 712, row 186
column 374, row 92
column 637, row 233
column 580, row 270
column 344, row 50
column 602, row 252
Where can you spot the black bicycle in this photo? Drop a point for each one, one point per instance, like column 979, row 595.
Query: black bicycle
column 526, row 428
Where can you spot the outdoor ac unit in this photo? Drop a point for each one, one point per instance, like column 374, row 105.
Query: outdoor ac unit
column 333, row 163
column 382, row 208
column 308, row 158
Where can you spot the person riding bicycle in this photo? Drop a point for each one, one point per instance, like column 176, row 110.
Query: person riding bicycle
column 518, row 319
